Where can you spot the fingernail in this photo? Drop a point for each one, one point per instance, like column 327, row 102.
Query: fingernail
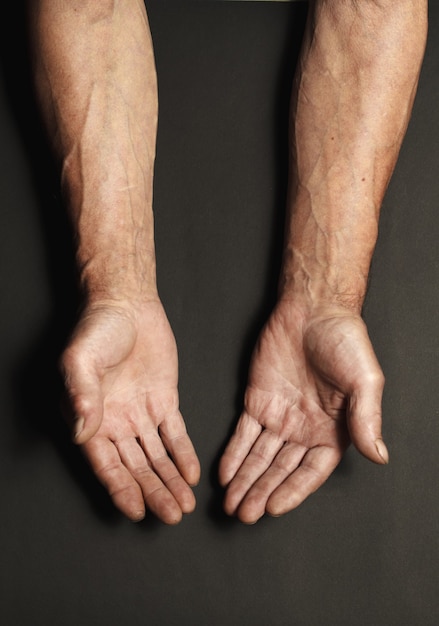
column 79, row 427
column 382, row 450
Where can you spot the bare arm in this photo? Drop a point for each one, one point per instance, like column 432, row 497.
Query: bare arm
column 315, row 383
column 97, row 84
column 353, row 98
column 96, row 80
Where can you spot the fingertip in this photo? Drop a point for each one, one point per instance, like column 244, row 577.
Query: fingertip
column 225, row 472
column 223, row 482
column 365, row 434
column 169, row 512
column 193, row 474
column 87, row 417
column 248, row 517
column 248, row 522
column 273, row 509
column 276, row 510
column 222, row 479
column 372, row 448
column 185, row 458
column 172, row 518
column 83, row 431
column 188, row 503
column 365, row 421
column 166, row 507
column 382, row 450
column 129, row 503
column 228, row 506
column 136, row 517
column 78, row 429
column 285, row 500
column 274, row 515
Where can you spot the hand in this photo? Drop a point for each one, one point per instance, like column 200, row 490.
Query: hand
column 121, row 375
column 314, row 384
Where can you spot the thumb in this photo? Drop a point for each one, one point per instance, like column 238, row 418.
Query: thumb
column 364, row 420
column 85, row 406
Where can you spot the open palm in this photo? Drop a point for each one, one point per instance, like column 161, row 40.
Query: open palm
column 121, row 374
column 314, row 384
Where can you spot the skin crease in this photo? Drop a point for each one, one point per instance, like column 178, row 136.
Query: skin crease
column 314, row 382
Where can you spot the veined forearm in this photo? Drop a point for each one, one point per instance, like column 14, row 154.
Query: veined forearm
column 97, row 85
column 353, row 97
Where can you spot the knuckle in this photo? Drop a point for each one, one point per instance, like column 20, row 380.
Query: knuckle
column 375, row 378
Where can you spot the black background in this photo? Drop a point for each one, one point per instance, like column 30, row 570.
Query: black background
column 364, row 549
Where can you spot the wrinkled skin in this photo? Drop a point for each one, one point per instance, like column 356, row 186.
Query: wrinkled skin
column 314, row 385
column 121, row 376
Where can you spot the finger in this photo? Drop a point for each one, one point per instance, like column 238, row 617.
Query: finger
column 254, row 503
column 125, row 492
column 364, row 420
column 316, row 467
column 178, row 444
column 157, row 496
column 168, row 473
column 256, row 463
column 240, row 444
column 84, row 392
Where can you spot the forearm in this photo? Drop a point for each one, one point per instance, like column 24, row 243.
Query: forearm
column 96, row 81
column 351, row 105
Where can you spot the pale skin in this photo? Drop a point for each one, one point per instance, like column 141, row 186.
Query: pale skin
column 315, row 384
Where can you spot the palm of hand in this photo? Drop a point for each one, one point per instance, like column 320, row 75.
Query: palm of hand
column 121, row 372
column 304, row 379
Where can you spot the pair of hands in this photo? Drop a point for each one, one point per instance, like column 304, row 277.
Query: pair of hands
column 314, row 385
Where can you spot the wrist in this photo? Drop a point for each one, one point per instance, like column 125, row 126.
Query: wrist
column 327, row 266
column 311, row 297
column 116, row 277
column 321, row 288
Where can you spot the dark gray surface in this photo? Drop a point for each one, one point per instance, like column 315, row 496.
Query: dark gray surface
column 364, row 549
